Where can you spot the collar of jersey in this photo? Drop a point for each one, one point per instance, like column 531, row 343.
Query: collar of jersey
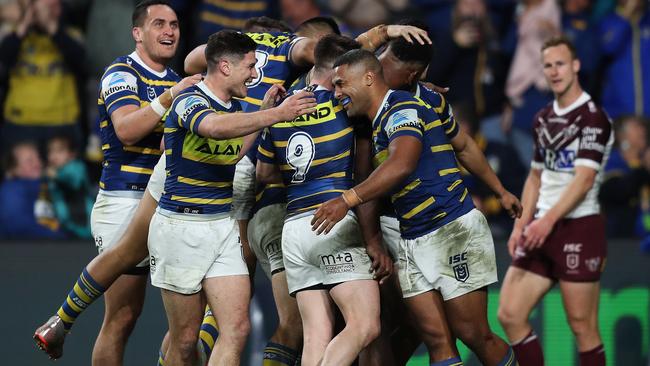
column 210, row 94
column 136, row 58
column 582, row 99
column 417, row 90
column 381, row 106
column 318, row 87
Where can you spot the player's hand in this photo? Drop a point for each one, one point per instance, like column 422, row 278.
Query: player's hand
column 382, row 264
column 536, row 232
column 328, row 214
column 409, row 33
column 302, row 102
column 185, row 83
column 273, row 96
column 436, row 88
column 511, row 204
column 514, row 240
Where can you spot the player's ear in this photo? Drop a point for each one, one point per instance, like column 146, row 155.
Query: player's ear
column 225, row 67
column 137, row 34
column 576, row 65
column 368, row 78
column 413, row 76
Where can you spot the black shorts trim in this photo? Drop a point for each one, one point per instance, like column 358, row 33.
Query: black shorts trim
column 138, row 271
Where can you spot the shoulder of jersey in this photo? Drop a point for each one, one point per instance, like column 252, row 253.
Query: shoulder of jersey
column 190, row 100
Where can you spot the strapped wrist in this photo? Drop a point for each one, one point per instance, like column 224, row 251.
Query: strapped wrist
column 158, row 107
column 351, row 198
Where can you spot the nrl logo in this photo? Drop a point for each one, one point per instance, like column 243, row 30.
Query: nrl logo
column 461, row 272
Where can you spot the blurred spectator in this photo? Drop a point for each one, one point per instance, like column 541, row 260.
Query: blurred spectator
column 526, row 86
column 232, row 14
column 469, row 61
column 69, row 187
column 510, row 171
column 578, row 28
column 42, row 61
column 625, row 41
column 361, row 15
column 626, row 172
column 25, row 212
column 295, row 12
column 318, row 27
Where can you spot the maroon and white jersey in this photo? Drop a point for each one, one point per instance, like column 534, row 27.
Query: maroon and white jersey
column 578, row 135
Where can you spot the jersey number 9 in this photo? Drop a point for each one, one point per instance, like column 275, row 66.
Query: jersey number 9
column 300, row 154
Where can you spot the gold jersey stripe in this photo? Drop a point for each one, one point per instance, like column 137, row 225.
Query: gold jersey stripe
column 316, row 194
column 433, row 124
column 409, row 187
column 318, row 140
column 168, row 151
column 453, row 125
column 419, row 208
column 203, row 183
column 106, row 146
column 170, row 129
column 334, row 175
column 281, row 58
column 439, row 148
column 196, row 116
column 454, row 185
column 444, row 172
column 122, row 98
column 252, row 100
column 439, row 216
column 265, row 152
column 142, row 150
column 462, row 198
column 202, row 201
column 272, row 80
column 103, row 124
column 239, row 5
column 222, row 20
column 136, row 169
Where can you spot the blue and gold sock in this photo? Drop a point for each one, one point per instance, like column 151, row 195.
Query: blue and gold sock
column 161, row 358
column 455, row 361
column 209, row 332
column 278, row 355
column 84, row 292
column 508, row 359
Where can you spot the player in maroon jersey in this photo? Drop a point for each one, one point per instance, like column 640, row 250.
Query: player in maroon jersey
column 560, row 236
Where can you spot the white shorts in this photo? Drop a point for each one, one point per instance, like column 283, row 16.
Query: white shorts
column 185, row 249
column 390, row 235
column 455, row 259
column 265, row 237
column 312, row 260
column 109, row 219
column 156, row 183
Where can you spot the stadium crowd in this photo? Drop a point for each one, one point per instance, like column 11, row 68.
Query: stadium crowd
column 54, row 51
column 331, row 162
column 52, row 54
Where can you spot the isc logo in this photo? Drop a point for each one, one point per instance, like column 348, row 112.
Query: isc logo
column 458, row 258
column 573, row 247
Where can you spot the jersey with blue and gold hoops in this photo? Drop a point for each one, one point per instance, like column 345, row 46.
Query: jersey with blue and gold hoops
column 128, row 81
column 199, row 170
column 314, row 152
column 273, row 66
column 437, row 102
column 434, row 194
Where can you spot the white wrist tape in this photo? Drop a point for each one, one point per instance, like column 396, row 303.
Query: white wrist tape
column 157, row 107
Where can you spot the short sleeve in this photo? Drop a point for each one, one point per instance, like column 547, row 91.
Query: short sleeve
column 266, row 150
column 403, row 122
column 120, row 88
column 190, row 110
column 594, row 138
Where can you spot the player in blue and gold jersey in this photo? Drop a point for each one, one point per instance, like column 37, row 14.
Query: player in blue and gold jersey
column 446, row 250
column 192, row 239
column 313, row 156
column 134, row 94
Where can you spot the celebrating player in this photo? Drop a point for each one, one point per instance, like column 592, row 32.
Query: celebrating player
column 134, row 94
column 561, row 233
column 446, row 245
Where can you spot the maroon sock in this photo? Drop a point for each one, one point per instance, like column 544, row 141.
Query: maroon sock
column 595, row 357
column 528, row 351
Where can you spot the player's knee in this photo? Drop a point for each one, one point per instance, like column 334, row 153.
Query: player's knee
column 185, row 343
column 237, row 330
column 123, row 321
column 472, row 334
column 509, row 317
column 582, row 326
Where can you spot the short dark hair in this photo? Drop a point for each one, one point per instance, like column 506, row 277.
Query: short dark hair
column 416, row 53
column 227, row 43
column 140, row 11
column 316, row 22
column 558, row 41
column 330, row 47
column 360, row 56
column 66, row 140
column 265, row 24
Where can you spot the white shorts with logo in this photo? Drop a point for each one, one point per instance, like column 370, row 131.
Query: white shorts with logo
column 156, row 183
column 185, row 249
column 390, row 235
column 455, row 259
column 265, row 237
column 326, row 259
column 111, row 216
